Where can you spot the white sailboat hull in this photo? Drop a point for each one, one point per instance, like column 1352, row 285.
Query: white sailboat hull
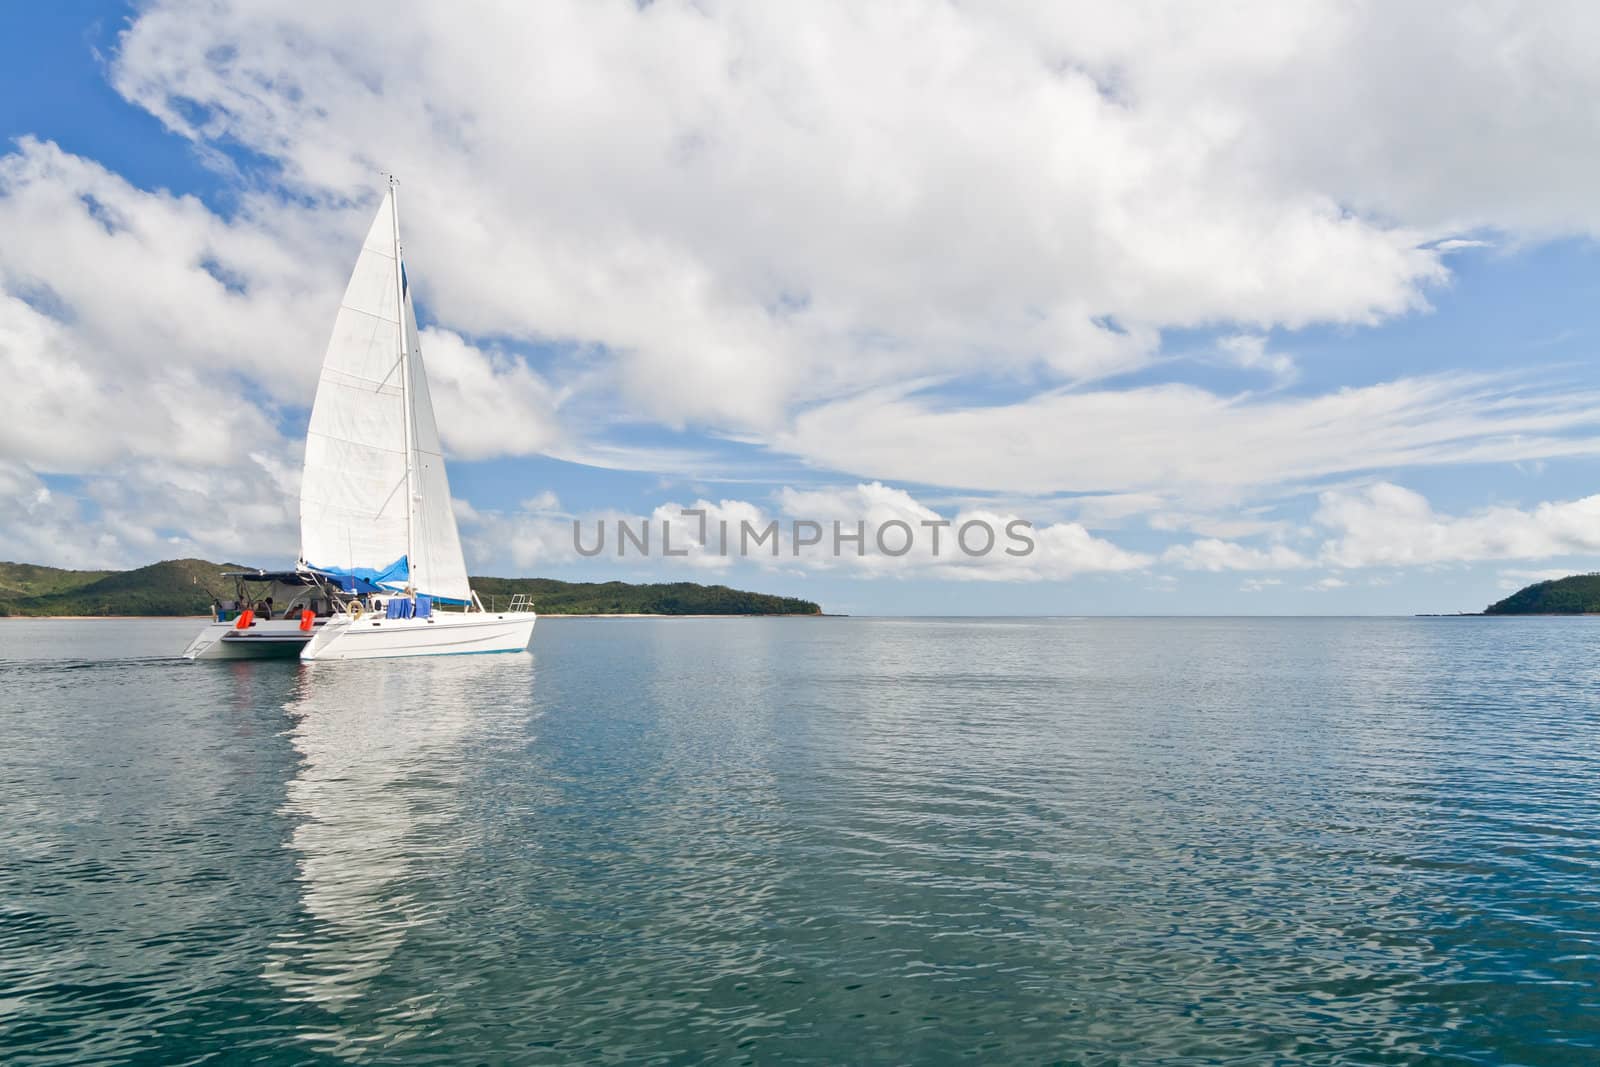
column 444, row 634
column 270, row 639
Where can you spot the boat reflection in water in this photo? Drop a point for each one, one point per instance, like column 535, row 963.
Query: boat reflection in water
column 379, row 829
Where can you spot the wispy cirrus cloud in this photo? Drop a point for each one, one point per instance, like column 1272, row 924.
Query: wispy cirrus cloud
column 1186, row 441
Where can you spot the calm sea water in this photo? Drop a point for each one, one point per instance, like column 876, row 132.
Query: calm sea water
column 818, row 841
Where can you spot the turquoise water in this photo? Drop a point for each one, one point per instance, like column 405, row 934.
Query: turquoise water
column 819, row 841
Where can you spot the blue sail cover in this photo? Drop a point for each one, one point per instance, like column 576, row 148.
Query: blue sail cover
column 391, row 579
column 369, row 579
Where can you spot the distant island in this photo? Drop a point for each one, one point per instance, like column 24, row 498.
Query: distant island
column 1578, row 594
column 186, row 586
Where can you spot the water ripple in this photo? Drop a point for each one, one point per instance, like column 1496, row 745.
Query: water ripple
column 1079, row 841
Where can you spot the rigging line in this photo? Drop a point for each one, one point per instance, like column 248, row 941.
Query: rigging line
column 384, row 506
column 394, row 367
column 357, row 444
column 363, row 311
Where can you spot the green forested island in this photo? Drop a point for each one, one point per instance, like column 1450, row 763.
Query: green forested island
column 186, row 586
column 552, row 597
column 1578, row 594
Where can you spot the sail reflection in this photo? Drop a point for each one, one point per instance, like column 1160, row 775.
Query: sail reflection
column 376, row 803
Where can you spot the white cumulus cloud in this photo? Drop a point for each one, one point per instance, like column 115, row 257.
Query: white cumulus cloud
column 867, row 530
column 756, row 206
column 1389, row 525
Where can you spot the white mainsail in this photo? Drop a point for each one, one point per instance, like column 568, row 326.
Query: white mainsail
column 374, row 498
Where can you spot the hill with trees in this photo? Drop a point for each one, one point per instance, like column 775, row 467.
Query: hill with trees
column 186, row 586
column 1578, row 594
column 620, row 598
column 172, row 587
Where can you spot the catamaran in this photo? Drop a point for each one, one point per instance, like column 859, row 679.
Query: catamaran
column 380, row 571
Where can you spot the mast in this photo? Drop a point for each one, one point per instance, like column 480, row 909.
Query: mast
column 405, row 381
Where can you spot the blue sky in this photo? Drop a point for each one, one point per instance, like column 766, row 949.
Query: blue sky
column 1276, row 313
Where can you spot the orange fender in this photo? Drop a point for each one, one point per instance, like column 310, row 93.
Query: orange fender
column 246, row 618
column 306, row 618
